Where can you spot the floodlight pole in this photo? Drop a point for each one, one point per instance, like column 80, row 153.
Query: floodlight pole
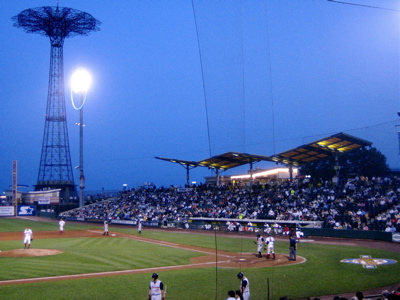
column 80, row 84
column 81, row 174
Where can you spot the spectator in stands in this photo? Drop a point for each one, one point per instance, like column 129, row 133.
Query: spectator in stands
column 360, row 296
column 286, row 230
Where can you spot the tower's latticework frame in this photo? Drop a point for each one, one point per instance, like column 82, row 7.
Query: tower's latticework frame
column 57, row 23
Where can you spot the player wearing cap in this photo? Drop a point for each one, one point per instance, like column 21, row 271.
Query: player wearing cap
column 260, row 243
column 244, row 286
column 139, row 228
column 105, row 227
column 156, row 289
column 61, row 224
column 299, row 233
column 28, row 235
column 270, row 241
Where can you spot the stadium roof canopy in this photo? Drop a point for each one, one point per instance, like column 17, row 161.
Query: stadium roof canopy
column 219, row 162
column 186, row 163
column 320, row 149
column 331, row 145
column 231, row 160
column 223, row 161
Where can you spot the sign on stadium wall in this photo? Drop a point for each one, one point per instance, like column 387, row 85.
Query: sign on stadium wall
column 74, row 219
column 150, row 223
column 6, row 211
column 124, row 222
column 43, row 200
column 26, row 210
column 396, row 237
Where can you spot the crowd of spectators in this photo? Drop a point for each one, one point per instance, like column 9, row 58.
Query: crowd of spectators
column 385, row 295
column 359, row 203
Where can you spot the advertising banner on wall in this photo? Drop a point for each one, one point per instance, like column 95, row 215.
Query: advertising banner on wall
column 124, row 222
column 6, row 211
column 44, row 200
column 26, row 210
column 396, row 237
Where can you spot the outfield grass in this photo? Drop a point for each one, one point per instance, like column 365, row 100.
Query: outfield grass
column 322, row 273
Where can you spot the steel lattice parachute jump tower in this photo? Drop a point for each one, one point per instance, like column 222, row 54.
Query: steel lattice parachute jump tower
column 57, row 23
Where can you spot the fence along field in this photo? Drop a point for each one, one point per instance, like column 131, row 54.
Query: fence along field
column 137, row 257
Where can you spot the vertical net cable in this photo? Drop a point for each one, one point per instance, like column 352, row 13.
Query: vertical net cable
column 270, row 81
column 202, row 78
column 243, row 76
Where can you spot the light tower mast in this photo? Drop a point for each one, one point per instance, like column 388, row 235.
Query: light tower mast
column 57, row 23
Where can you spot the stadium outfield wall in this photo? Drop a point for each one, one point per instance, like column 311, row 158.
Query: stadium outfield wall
column 309, row 228
column 354, row 234
column 258, row 225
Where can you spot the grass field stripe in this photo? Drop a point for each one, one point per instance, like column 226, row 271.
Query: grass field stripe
column 104, row 274
column 150, row 241
column 29, row 219
column 147, row 240
column 138, row 238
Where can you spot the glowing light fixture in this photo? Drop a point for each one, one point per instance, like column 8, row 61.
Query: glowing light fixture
column 81, row 81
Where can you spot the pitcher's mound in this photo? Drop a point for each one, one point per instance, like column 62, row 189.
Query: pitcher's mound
column 29, row 252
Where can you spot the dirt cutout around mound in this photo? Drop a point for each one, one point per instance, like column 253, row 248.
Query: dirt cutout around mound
column 29, row 252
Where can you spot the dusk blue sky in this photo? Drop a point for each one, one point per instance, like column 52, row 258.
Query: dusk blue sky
column 257, row 76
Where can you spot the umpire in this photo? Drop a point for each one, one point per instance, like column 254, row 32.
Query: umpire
column 293, row 247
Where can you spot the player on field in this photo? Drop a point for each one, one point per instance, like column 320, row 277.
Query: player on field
column 244, row 286
column 105, row 228
column 299, row 233
column 260, row 244
column 139, row 228
column 270, row 241
column 61, row 224
column 28, row 235
column 156, row 289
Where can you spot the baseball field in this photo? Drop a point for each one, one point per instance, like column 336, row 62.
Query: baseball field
column 82, row 263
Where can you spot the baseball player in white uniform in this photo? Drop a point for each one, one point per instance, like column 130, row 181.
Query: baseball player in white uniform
column 260, row 244
column 299, row 233
column 270, row 241
column 105, row 228
column 230, row 226
column 139, row 228
column 250, row 226
column 244, row 286
column 61, row 224
column 28, row 235
column 267, row 228
column 156, row 289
